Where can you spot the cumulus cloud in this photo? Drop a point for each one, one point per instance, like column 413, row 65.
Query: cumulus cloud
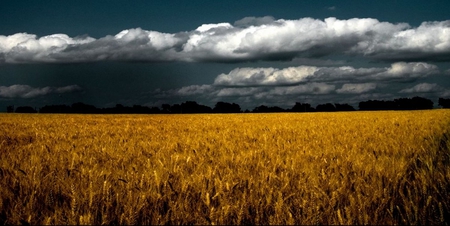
column 251, row 38
column 357, row 88
column 305, row 74
column 264, row 76
column 133, row 44
column 422, row 88
column 26, row 91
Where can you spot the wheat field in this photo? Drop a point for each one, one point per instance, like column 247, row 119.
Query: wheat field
column 284, row 168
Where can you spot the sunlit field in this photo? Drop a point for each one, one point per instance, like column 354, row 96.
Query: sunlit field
column 305, row 168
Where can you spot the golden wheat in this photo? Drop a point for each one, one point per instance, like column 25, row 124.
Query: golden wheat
column 309, row 168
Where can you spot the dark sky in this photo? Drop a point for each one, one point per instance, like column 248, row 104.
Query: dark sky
column 249, row 52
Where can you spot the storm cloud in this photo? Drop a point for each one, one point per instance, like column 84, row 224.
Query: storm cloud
column 248, row 39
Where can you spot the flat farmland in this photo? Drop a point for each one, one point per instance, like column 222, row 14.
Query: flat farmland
column 388, row 167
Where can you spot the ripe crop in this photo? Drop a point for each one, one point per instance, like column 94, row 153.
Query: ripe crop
column 307, row 168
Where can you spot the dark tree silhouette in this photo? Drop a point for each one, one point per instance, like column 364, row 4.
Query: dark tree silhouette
column 375, row 105
column 10, row 109
column 420, row 103
column 176, row 108
column 344, row 107
column 302, row 107
column 55, row 109
column 223, row 107
column 84, row 108
column 444, row 103
column 165, row 108
column 145, row 110
column 261, row 109
column 416, row 103
column 265, row 109
column 25, row 109
column 193, row 107
column 328, row 107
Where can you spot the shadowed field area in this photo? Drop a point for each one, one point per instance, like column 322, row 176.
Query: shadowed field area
column 287, row 168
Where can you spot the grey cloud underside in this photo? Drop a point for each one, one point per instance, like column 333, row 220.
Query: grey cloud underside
column 26, row 91
column 249, row 39
column 423, row 88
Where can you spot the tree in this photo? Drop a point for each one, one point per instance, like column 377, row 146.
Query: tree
column 416, row 103
column 83, row 108
column 165, row 108
column 265, row 109
column 223, row 107
column 302, row 107
column 444, row 103
column 176, row 108
column 328, row 107
column 10, row 109
column 344, row 107
column 55, row 109
column 194, row 107
column 421, row 103
column 25, row 109
column 375, row 105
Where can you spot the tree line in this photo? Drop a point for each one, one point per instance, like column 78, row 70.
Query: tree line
column 189, row 107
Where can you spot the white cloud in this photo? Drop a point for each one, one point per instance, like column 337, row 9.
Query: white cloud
column 430, row 39
column 412, row 70
column 305, row 74
column 357, row 88
column 422, row 88
column 28, row 48
column 26, row 91
column 264, row 76
column 250, row 38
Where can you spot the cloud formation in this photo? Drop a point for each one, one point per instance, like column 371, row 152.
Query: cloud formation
column 26, row 91
column 341, row 84
column 422, row 88
column 357, row 88
column 194, row 89
column 250, row 38
column 306, row 74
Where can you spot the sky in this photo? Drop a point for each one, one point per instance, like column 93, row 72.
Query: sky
column 252, row 53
